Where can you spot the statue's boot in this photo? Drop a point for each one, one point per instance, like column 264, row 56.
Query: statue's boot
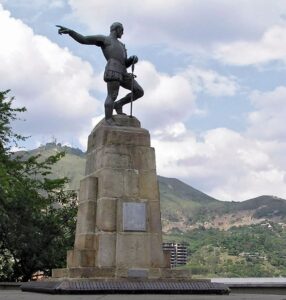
column 119, row 108
column 109, row 105
column 118, row 105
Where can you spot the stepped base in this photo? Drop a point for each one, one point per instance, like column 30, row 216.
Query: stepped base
column 89, row 286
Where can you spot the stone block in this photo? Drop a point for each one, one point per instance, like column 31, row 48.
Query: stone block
column 154, row 273
column 154, row 213
column 138, row 273
column 133, row 250
column 112, row 135
column 60, row 273
column 115, row 183
column 110, row 183
column 114, row 160
column 143, row 158
column 70, row 258
column 106, row 214
column 175, row 274
column 87, row 258
column 131, row 183
column 121, row 156
column 86, row 217
column 92, row 162
column 125, row 156
column 121, row 273
column 157, row 258
column 81, row 258
column 148, row 185
column 122, row 122
column 84, row 241
column 106, row 249
column 91, row 272
column 88, row 189
column 132, row 136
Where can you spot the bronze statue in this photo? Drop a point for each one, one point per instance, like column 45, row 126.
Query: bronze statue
column 115, row 74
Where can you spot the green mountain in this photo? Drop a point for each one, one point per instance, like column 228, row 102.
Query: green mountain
column 72, row 165
column 183, row 207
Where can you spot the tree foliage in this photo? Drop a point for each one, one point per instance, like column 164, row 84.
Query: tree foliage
column 37, row 216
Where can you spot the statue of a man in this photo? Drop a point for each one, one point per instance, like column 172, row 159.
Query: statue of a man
column 115, row 74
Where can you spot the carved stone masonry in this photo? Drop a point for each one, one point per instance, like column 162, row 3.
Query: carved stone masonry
column 119, row 230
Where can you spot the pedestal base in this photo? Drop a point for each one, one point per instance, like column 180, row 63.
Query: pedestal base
column 90, row 286
column 107, row 273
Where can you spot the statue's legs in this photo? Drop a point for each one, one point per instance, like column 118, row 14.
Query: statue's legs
column 127, row 84
column 112, row 93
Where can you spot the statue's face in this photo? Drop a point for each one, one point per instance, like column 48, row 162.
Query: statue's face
column 119, row 32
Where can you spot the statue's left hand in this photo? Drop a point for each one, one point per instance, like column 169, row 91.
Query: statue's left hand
column 134, row 59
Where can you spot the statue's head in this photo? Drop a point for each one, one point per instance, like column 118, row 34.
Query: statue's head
column 117, row 28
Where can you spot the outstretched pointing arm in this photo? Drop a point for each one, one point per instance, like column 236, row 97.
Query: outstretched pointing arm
column 97, row 40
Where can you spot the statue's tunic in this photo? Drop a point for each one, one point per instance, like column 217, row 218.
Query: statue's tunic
column 116, row 56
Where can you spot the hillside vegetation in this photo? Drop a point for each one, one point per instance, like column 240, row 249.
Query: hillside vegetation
column 247, row 251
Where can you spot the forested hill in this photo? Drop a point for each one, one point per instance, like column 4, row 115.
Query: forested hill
column 183, row 207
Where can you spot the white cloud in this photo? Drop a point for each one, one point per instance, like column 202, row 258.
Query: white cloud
column 167, row 98
column 270, row 47
column 268, row 120
column 53, row 84
column 210, row 82
column 35, row 4
column 184, row 24
column 223, row 163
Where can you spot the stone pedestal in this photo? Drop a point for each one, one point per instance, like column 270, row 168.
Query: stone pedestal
column 118, row 242
column 118, row 231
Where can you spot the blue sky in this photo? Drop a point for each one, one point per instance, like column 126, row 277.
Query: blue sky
column 213, row 72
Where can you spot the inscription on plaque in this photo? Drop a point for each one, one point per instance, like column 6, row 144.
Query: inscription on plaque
column 134, row 216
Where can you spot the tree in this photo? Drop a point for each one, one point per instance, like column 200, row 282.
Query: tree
column 37, row 216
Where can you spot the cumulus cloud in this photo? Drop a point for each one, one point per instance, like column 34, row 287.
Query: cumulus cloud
column 53, row 84
column 167, row 98
column 35, row 4
column 179, row 23
column 270, row 47
column 227, row 164
column 210, row 82
column 223, row 163
column 267, row 121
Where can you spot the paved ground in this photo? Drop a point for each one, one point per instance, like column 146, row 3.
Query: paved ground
column 19, row 295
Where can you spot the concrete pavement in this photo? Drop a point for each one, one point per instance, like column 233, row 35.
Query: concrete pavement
column 19, row 295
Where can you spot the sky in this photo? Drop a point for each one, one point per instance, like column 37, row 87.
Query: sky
column 213, row 72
